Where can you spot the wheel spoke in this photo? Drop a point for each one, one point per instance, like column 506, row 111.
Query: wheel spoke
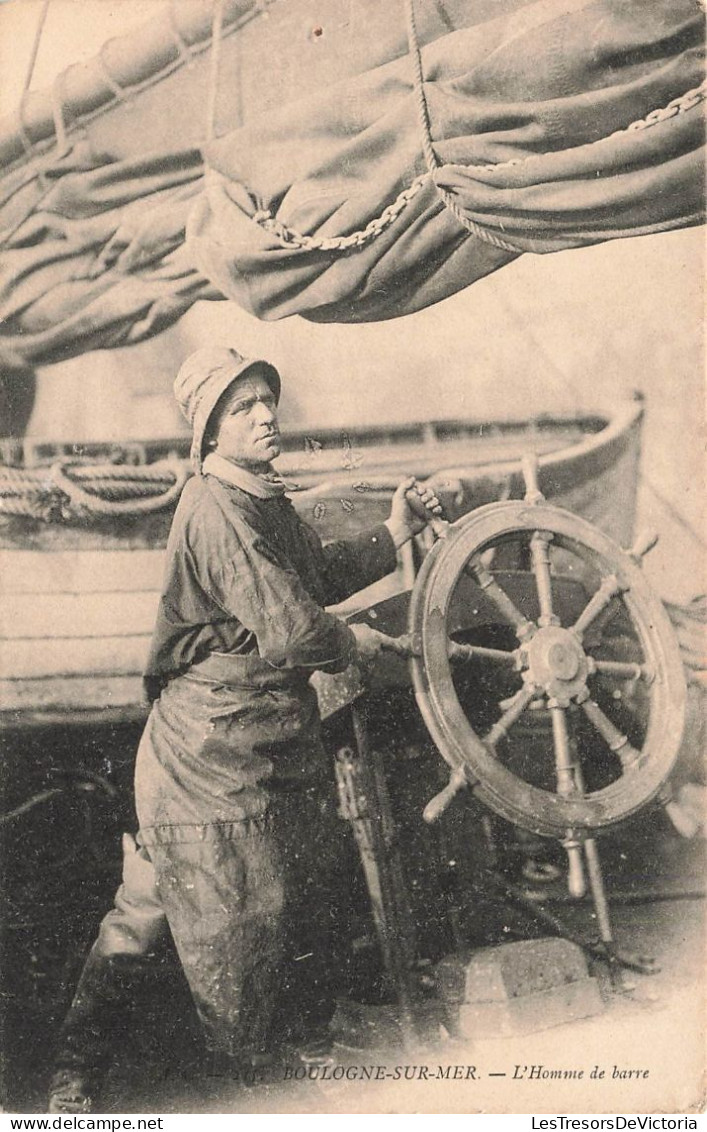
column 523, row 627
column 569, row 782
column 564, row 763
column 623, row 671
column 517, row 706
column 607, row 590
column 539, row 544
column 616, row 742
column 470, row 652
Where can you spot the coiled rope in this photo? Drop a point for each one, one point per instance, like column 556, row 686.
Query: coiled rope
column 67, row 490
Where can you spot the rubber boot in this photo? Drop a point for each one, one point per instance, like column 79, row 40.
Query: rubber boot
column 118, row 963
column 107, row 990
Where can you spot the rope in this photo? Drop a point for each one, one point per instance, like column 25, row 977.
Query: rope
column 35, row 47
column 93, row 783
column 79, row 497
column 121, row 93
column 53, row 494
column 428, row 148
column 181, row 44
column 216, row 37
column 24, row 136
column 22, row 131
column 421, row 102
column 156, row 474
column 36, row 800
column 62, row 142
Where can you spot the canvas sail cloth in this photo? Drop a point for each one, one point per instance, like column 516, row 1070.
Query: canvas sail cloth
column 100, row 260
column 554, row 124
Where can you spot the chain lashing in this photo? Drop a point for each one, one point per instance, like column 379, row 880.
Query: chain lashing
column 290, row 238
column 677, row 106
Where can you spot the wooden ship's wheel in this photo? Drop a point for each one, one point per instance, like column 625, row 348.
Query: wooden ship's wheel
column 595, row 773
column 556, row 666
column 532, row 604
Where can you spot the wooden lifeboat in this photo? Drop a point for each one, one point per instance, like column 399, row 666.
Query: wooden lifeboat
column 79, row 595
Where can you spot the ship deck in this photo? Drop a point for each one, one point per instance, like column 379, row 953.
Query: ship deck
column 647, row 1040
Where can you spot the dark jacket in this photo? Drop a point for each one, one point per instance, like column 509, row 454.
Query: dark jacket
column 247, row 575
column 241, row 626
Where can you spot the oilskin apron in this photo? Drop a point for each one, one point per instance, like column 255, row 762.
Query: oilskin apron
column 239, row 820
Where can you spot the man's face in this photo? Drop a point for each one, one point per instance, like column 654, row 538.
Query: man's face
column 246, row 430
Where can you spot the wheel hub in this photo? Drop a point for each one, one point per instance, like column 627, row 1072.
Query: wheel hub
column 556, row 663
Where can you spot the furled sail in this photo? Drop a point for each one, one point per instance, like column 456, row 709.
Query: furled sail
column 386, row 162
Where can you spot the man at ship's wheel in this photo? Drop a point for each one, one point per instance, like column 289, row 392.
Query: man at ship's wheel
column 237, row 848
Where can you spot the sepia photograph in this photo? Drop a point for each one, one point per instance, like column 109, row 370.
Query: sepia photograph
column 353, row 586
